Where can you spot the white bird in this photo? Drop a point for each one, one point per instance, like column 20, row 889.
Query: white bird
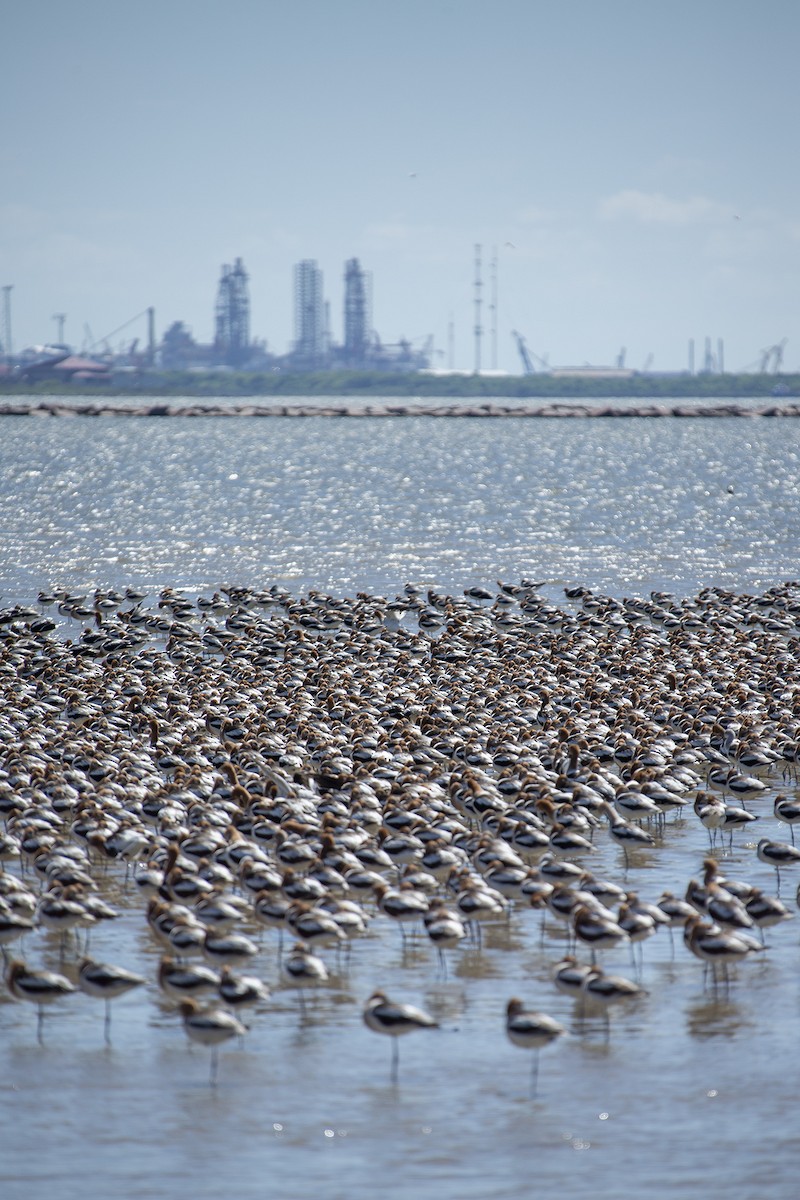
column 106, row 982
column 39, row 987
column 304, row 970
column 609, row 989
column 210, row 1027
column 384, row 1016
column 181, row 981
column 532, row 1031
column 777, row 854
column 240, row 990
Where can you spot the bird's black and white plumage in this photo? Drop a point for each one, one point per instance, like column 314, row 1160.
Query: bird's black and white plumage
column 383, row 1015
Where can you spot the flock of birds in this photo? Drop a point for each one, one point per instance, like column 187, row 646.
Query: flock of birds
column 256, row 760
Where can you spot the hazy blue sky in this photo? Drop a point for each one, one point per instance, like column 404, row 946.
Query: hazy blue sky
column 635, row 163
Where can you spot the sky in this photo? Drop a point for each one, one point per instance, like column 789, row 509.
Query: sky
column 632, row 164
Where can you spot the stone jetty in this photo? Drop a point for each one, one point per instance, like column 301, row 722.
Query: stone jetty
column 56, row 408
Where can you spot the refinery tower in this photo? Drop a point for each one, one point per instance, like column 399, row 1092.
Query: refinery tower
column 232, row 327
column 357, row 313
column 309, row 313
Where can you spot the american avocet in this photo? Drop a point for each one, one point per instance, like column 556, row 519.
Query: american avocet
column 314, row 926
column 187, row 938
column 532, row 1031
column 596, row 931
column 38, row 987
column 788, row 811
column 270, row 909
column 603, row 890
column 61, row 912
column 777, row 854
column 304, row 970
column 677, row 911
column 184, row 982
column 444, row 928
column 726, row 909
column 12, row 926
column 715, row 947
column 766, row 910
column 631, row 804
column 569, row 975
column 221, row 913
column 606, row 990
column 746, row 786
column 558, row 870
column 711, row 812
column 626, row 833
column 506, row 880
column 210, row 1027
column 238, row 991
column 478, row 903
column 404, row 904
column 228, row 949
column 384, row 1016
column 106, row 982
column 639, row 926
column 735, row 818
column 567, row 843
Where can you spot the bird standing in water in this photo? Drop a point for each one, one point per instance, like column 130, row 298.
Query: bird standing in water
column 531, row 1031
column 384, row 1016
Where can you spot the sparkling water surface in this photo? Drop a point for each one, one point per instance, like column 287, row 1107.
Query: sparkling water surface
column 685, row 1097
column 622, row 505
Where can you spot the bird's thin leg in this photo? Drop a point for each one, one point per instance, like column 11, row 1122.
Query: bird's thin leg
column 534, row 1074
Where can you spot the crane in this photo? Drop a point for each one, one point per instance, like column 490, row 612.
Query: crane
column 528, row 356
column 772, row 357
column 527, row 362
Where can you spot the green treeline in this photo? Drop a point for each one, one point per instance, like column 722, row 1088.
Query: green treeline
column 381, row 383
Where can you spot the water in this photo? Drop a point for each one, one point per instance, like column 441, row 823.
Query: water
column 688, row 1094
column 625, row 506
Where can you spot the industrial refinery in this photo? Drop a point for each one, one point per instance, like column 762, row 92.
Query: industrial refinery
column 119, row 357
column 233, row 348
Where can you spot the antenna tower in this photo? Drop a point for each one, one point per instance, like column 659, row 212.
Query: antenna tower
column 493, row 306
column 478, row 326
column 7, row 319
column 151, row 336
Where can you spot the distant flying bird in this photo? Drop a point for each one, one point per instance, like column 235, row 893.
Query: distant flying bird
column 511, row 245
column 412, row 174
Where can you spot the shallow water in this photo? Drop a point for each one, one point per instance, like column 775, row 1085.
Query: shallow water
column 625, row 506
column 684, row 1097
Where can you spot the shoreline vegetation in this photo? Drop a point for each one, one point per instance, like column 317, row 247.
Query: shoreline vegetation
column 413, row 385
